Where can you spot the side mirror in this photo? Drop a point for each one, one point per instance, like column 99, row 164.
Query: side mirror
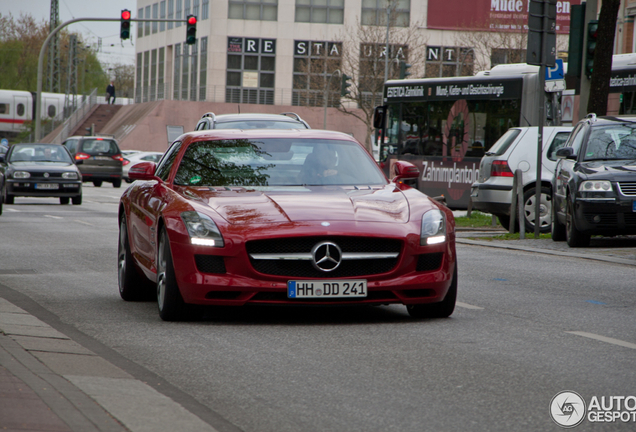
column 566, row 153
column 404, row 170
column 143, row 171
column 379, row 116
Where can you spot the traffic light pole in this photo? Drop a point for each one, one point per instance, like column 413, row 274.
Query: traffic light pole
column 591, row 13
column 38, row 96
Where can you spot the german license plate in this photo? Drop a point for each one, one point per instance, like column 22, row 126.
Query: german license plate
column 326, row 289
column 102, row 158
column 47, row 186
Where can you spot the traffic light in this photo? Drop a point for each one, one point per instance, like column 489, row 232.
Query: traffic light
column 592, row 36
column 124, row 31
column 404, row 69
column 191, row 30
column 344, row 91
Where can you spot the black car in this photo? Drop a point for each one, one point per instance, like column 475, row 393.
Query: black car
column 594, row 181
column 40, row 170
column 286, row 120
column 99, row 159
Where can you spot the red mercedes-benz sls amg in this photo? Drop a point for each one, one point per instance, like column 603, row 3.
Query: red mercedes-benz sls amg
column 294, row 217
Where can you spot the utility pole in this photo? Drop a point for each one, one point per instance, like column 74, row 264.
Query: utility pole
column 54, row 55
column 71, row 79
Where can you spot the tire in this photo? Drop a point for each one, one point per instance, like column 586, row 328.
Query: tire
column 1, row 201
column 557, row 229
column 8, row 199
column 77, row 200
column 132, row 285
column 443, row 309
column 545, row 212
column 504, row 221
column 169, row 300
column 97, row 183
column 573, row 236
column 117, row 183
column 64, row 200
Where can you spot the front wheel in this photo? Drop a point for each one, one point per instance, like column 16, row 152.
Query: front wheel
column 443, row 309
column 169, row 301
column 77, row 200
column 545, row 209
column 574, row 237
column 64, row 200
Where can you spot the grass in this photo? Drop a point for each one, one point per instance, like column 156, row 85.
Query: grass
column 476, row 220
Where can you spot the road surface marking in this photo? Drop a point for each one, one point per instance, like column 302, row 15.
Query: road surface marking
column 53, row 217
column 468, row 306
column 82, row 222
column 605, row 339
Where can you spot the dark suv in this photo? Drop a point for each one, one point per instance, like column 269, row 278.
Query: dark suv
column 98, row 159
column 287, row 120
column 594, row 184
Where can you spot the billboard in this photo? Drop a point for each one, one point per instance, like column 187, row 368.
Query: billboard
column 490, row 15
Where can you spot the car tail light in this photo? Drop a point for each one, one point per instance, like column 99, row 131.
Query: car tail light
column 500, row 169
column 125, row 161
column 118, row 157
column 82, row 156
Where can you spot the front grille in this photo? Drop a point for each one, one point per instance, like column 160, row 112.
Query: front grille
column 627, row 188
column 608, row 220
column 210, row 263
column 40, row 175
column 305, row 269
column 429, row 261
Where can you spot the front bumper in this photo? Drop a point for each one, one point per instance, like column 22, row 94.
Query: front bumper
column 31, row 188
column 237, row 283
column 606, row 216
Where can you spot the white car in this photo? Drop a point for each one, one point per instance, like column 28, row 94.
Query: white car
column 517, row 149
column 136, row 157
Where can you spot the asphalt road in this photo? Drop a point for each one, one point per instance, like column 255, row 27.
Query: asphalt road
column 527, row 327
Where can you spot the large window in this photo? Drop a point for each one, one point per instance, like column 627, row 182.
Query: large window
column 372, row 70
column 160, row 74
column 320, row 11
column 194, row 71
column 138, row 81
column 203, row 75
column 449, row 61
column 263, row 10
column 179, row 11
column 162, row 14
column 315, row 64
column 155, row 15
column 205, row 9
column 146, row 75
column 140, row 26
column 153, row 75
column 251, row 70
column 170, row 13
column 374, row 12
column 147, row 23
column 184, row 71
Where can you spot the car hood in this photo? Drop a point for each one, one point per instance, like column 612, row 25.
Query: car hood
column 297, row 204
column 615, row 169
column 34, row 166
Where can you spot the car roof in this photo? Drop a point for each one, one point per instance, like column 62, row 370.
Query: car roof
column 90, row 137
column 254, row 116
column 218, row 134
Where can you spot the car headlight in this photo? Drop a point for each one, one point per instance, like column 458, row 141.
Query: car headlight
column 70, row 175
column 433, row 228
column 202, row 229
column 589, row 187
column 21, row 175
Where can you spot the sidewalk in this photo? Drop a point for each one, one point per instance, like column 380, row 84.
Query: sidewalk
column 48, row 382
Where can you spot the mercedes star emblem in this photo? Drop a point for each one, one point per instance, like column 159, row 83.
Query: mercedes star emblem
column 326, row 256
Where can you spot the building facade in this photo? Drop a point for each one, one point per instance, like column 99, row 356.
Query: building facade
column 286, row 52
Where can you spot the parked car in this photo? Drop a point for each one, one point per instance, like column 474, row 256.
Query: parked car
column 40, row 170
column 139, row 156
column 282, row 217
column 287, row 120
column 595, row 181
column 517, row 149
column 99, row 159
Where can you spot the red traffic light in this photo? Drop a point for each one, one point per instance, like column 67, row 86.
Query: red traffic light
column 125, row 14
column 192, row 20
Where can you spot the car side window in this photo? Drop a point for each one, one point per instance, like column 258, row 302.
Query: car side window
column 165, row 164
column 71, row 145
column 576, row 139
column 559, row 141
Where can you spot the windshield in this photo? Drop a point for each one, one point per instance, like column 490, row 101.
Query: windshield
column 259, row 124
column 611, row 142
column 99, row 146
column 277, row 162
column 40, row 153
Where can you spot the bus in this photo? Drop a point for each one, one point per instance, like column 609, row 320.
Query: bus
column 445, row 125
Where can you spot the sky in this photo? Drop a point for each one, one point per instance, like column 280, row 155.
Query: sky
column 112, row 52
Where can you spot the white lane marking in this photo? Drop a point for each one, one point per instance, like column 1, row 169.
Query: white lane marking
column 53, row 217
column 604, row 339
column 82, row 222
column 13, row 210
column 468, row 306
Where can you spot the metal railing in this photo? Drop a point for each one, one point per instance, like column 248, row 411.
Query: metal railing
column 76, row 117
